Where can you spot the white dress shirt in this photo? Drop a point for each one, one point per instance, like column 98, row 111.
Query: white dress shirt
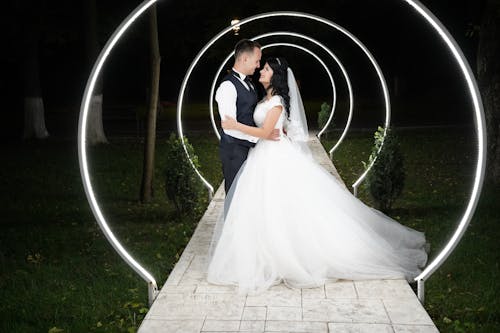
column 226, row 100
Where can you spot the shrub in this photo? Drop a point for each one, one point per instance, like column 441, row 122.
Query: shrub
column 323, row 115
column 385, row 181
column 182, row 185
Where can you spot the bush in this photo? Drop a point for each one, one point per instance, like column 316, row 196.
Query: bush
column 385, row 181
column 182, row 185
column 323, row 115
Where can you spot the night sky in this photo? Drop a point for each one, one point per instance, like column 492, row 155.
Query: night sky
column 429, row 88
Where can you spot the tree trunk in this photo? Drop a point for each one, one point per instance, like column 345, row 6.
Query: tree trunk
column 149, row 144
column 488, row 69
column 34, row 114
column 95, row 129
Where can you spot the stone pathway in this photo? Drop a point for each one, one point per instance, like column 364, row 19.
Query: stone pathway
column 188, row 303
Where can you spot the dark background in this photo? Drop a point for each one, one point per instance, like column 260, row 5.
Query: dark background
column 424, row 83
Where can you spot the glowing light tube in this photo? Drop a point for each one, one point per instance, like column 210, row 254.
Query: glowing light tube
column 82, row 150
column 458, row 56
column 479, row 121
column 219, row 71
column 290, row 14
column 334, row 57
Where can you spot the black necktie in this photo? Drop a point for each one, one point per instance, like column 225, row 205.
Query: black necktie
column 248, row 80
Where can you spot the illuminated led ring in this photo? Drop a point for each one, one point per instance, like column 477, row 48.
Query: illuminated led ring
column 219, row 71
column 293, row 34
column 481, row 143
column 291, row 14
column 479, row 121
column 82, row 150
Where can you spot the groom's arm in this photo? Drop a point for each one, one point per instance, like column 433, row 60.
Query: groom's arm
column 263, row 132
column 226, row 96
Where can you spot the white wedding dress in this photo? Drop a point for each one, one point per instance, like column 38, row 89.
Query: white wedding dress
column 291, row 221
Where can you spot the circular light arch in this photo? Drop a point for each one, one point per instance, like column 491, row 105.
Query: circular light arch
column 82, row 150
column 479, row 121
column 288, row 14
column 301, row 36
column 212, row 90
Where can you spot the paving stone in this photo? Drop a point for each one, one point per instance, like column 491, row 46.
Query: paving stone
column 360, row 328
column 340, row 289
column 252, row 326
column 220, row 325
column 314, row 292
column 196, row 272
column 296, row 326
column 171, row 326
column 198, row 306
column 415, row 329
column 179, row 270
column 292, row 313
column 407, row 311
column 213, row 289
column 254, row 313
column 176, row 289
column 345, row 311
column 384, row 289
column 276, row 297
column 199, row 280
column 226, row 310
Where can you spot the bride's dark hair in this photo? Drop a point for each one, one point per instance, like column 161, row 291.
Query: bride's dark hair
column 279, row 80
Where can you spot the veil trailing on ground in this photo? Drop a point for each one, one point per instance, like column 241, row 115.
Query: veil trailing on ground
column 296, row 125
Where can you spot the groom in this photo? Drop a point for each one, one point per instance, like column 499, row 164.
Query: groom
column 237, row 97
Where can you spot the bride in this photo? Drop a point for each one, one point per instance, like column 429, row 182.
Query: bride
column 286, row 219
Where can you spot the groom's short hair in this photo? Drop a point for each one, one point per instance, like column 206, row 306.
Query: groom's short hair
column 245, row 46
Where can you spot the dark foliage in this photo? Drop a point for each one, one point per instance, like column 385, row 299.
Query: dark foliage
column 386, row 179
column 182, row 186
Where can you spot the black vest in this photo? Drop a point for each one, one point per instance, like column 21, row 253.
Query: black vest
column 246, row 100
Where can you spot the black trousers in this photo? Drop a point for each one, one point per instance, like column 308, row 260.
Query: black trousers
column 233, row 153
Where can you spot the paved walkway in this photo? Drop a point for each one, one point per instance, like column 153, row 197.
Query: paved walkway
column 188, row 303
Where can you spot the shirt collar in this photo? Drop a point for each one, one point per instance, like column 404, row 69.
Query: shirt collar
column 242, row 76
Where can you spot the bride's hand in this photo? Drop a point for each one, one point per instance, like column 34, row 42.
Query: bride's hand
column 229, row 123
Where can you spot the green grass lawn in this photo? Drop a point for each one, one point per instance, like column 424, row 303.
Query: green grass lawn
column 56, row 268
column 57, row 271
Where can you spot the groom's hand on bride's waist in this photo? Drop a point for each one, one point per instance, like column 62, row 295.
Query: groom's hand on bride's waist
column 275, row 135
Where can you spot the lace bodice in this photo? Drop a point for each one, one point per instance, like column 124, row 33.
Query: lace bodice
column 263, row 107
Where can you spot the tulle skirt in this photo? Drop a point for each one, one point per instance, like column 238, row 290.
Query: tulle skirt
column 289, row 220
